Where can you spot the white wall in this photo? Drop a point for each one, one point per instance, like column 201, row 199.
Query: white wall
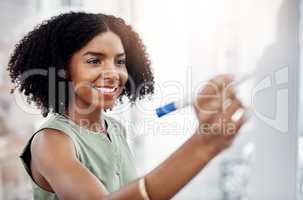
column 211, row 37
column 267, row 34
column 276, row 110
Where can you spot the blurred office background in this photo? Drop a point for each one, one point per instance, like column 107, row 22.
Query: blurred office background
column 188, row 42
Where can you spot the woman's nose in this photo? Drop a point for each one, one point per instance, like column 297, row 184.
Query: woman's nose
column 110, row 75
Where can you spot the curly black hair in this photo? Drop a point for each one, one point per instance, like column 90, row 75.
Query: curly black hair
column 51, row 45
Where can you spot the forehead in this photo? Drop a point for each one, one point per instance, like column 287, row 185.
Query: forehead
column 106, row 43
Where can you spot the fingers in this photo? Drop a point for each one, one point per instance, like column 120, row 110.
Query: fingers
column 221, row 81
column 235, row 113
column 228, row 121
column 218, row 89
column 218, row 100
column 218, row 83
column 209, row 105
column 229, row 92
column 232, row 108
column 220, row 112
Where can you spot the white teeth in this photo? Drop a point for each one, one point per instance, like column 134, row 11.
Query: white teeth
column 105, row 90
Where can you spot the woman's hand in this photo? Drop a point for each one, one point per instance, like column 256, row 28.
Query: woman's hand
column 215, row 108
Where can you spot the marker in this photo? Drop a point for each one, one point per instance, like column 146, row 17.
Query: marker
column 176, row 105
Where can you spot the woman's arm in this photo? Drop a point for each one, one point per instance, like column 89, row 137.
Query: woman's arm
column 168, row 178
column 55, row 159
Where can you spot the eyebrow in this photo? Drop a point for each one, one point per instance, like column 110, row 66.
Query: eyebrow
column 100, row 54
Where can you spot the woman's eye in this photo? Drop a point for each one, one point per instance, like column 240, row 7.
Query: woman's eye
column 94, row 61
column 121, row 61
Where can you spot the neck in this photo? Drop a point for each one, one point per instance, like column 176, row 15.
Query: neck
column 81, row 113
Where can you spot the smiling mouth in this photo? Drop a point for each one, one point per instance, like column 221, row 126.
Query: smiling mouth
column 106, row 90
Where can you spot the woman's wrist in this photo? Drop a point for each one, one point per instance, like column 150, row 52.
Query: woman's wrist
column 205, row 146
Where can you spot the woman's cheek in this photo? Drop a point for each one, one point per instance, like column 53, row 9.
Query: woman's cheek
column 124, row 76
column 84, row 91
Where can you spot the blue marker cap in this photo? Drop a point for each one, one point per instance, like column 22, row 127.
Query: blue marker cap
column 166, row 109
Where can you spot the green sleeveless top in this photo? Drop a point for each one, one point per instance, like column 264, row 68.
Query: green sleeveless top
column 110, row 160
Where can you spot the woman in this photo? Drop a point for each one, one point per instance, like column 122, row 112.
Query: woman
column 73, row 67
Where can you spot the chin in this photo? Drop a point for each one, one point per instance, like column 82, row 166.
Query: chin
column 106, row 104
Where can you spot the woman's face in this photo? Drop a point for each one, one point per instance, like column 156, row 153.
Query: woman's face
column 98, row 71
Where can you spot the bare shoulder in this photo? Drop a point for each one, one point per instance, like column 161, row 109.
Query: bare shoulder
column 50, row 145
column 56, row 168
